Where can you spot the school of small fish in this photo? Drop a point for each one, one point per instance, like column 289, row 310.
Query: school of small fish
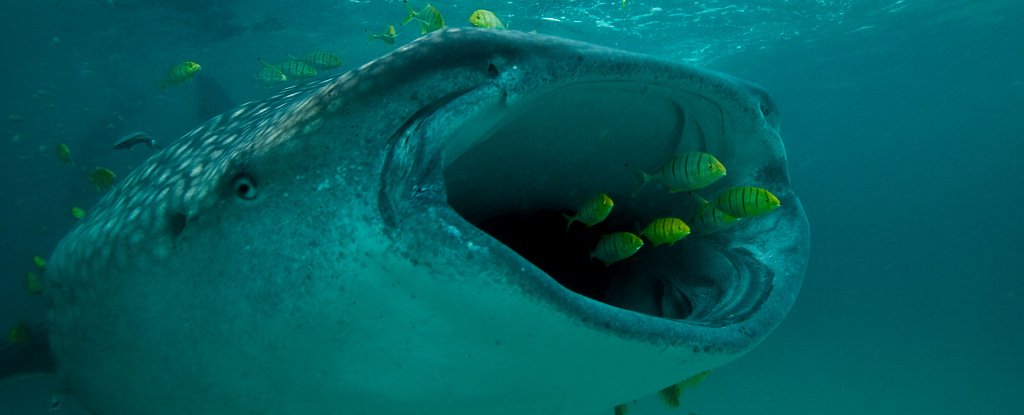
column 685, row 172
column 295, row 68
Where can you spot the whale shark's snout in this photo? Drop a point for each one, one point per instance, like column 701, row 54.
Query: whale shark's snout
column 392, row 240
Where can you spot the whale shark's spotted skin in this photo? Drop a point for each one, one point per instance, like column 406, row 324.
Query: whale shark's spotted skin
column 351, row 283
column 177, row 182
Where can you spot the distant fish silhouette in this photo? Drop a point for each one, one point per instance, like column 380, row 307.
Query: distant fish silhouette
column 131, row 139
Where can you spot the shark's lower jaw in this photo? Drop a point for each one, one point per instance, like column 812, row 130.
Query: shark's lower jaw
column 499, row 164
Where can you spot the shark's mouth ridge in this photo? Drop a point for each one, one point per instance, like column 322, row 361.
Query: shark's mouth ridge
column 547, row 154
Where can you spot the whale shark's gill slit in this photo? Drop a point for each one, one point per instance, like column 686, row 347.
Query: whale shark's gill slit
column 412, row 165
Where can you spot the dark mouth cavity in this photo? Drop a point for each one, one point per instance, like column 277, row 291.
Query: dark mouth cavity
column 570, row 144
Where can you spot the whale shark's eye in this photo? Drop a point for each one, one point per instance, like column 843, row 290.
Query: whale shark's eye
column 245, row 186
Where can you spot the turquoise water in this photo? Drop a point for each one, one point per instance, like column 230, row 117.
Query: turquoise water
column 903, row 122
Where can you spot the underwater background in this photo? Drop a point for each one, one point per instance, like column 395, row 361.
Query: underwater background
column 903, row 121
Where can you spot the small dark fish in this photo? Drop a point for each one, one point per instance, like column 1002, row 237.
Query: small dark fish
column 40, row 262
column 64, row 154
column 20, row 333
column 131, row 139
column 33, row 283
column 102, row 178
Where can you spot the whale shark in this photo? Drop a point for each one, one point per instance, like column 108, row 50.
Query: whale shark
column 390, row 240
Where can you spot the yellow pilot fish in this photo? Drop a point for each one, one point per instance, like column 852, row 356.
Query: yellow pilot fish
column 34, row 284
column 20, row 333
column 429, row 18
column 747, row 201
column 64, row 154
column 486, row 19
column 670, row 396
column 293, row 69
column 320, row 59
column 592, row 211
column 388, row 36
column 686, row 172
column 102, row 178
column 39, row 262
column 270, row 75
column 615, row 247
column 180, row 73
column 710, row 219
column 665, row 231
column 297, row 69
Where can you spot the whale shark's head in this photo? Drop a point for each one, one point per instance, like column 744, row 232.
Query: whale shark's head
column 391, row 240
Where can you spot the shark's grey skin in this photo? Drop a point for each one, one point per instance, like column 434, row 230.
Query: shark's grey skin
column 316, row 252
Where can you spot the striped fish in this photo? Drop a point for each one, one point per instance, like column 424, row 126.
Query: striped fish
column 102, row 178
column 40, row 262
column 297, row 69
column 34, row 284
column 320, row 59
column 429, row 18
column 293, row 69
column 665, row 231
column 486, row 19
column 592, row 211
column 179, row 73
column 20, row 333
column 747, row 201
column 686, row 172
column 710, row 219
column 615, row 247
column 269, row 75
column 388, row 36
column 64, row 154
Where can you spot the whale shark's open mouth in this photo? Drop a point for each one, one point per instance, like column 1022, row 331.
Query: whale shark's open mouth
column 548, row 155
